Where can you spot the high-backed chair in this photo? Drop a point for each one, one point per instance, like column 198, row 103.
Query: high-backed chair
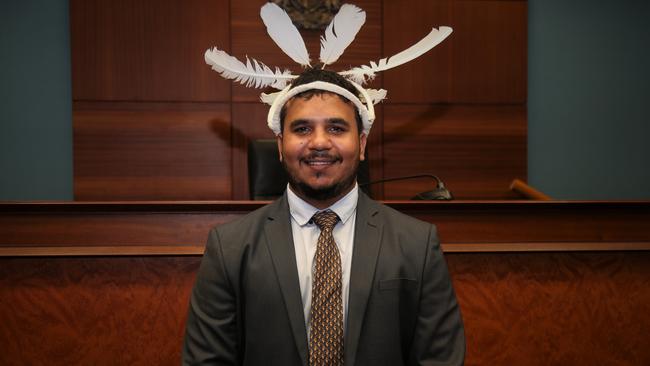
column 267, row 179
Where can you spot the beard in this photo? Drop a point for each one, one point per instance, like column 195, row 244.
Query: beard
column 321, row 193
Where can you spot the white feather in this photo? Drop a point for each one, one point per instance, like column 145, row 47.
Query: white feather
column 254, row 74
column 284, row 33
column 377, row 95
column 363, row 73
column 341, row 32
column 269, row 98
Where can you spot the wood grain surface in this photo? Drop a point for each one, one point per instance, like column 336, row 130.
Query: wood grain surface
column 570, row 285
column 463, row 226
column 554, row 308
column 475, row 150
column 126, row 151
column 147, row 50
column 482, row 61
column 94, row 311
column 518, row 309
column 148, row 55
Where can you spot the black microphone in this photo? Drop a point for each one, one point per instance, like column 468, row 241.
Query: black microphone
column 439, row 193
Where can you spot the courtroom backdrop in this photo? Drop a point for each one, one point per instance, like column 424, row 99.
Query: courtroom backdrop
column 137, row 79
column 152, row 121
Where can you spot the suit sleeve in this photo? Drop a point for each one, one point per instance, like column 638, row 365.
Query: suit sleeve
column 211, row 334
column 439, row 337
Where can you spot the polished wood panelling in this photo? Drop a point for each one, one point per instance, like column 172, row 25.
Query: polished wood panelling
column 152, row 151
column 147, row 50
column 150, row 53
column 428, row 78
column 463, row 226
column 482, row 61
column 476, row 150
column 518, row 309
column 94, row 311
column 554, row 308
column 103, row 307
column 458, row 111
column 489, row 52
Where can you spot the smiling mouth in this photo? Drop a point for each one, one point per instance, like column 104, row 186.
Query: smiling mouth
column 320, row 162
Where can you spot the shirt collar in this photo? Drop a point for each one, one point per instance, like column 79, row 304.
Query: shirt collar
column 302, row 211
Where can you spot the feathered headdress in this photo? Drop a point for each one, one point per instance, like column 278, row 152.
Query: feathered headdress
column 339, row 34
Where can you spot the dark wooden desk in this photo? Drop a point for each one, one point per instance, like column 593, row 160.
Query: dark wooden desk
column 539, row 283
column 180, row 228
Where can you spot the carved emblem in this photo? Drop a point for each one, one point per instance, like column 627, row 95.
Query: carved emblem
column 310, row 14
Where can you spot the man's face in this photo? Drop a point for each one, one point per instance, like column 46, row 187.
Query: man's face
column 320, row 147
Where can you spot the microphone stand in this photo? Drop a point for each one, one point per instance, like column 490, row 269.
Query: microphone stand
column 439, row 193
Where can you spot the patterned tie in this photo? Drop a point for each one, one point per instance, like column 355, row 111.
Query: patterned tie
column 326, row 332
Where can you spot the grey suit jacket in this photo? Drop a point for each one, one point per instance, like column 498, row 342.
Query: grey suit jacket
column 246, row 307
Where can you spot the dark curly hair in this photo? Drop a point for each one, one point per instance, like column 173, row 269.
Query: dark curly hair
column 318, row 74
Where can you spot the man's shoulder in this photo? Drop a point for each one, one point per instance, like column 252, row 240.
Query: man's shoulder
column 400, row 229
column 251, row 221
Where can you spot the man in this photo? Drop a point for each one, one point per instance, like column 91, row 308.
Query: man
column 279, row 287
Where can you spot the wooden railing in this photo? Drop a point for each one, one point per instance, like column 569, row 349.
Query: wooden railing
column 180, row 228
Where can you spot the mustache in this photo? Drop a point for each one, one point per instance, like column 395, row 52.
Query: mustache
column 321, row 155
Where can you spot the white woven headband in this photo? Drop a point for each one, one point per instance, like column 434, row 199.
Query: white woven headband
column 339, row 34
column 364, row 105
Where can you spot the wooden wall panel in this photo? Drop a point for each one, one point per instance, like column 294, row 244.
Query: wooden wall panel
column 152, row 151
column 130, row 52
column 94, row 311
column 489, row 57
column 147, row 50
column 475, row 150
column 170, row 228
column 518, row 309
column 459, row 111
column 482, row 61
column 543, row 308
column 428, row 78
column 554, row 309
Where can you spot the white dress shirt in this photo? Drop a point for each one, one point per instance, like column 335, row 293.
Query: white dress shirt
column 305, row 239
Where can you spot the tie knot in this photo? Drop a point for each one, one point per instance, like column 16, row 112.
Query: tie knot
column 325, row 219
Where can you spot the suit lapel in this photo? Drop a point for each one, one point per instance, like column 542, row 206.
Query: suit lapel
column 367, row 235
column 280, row 243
